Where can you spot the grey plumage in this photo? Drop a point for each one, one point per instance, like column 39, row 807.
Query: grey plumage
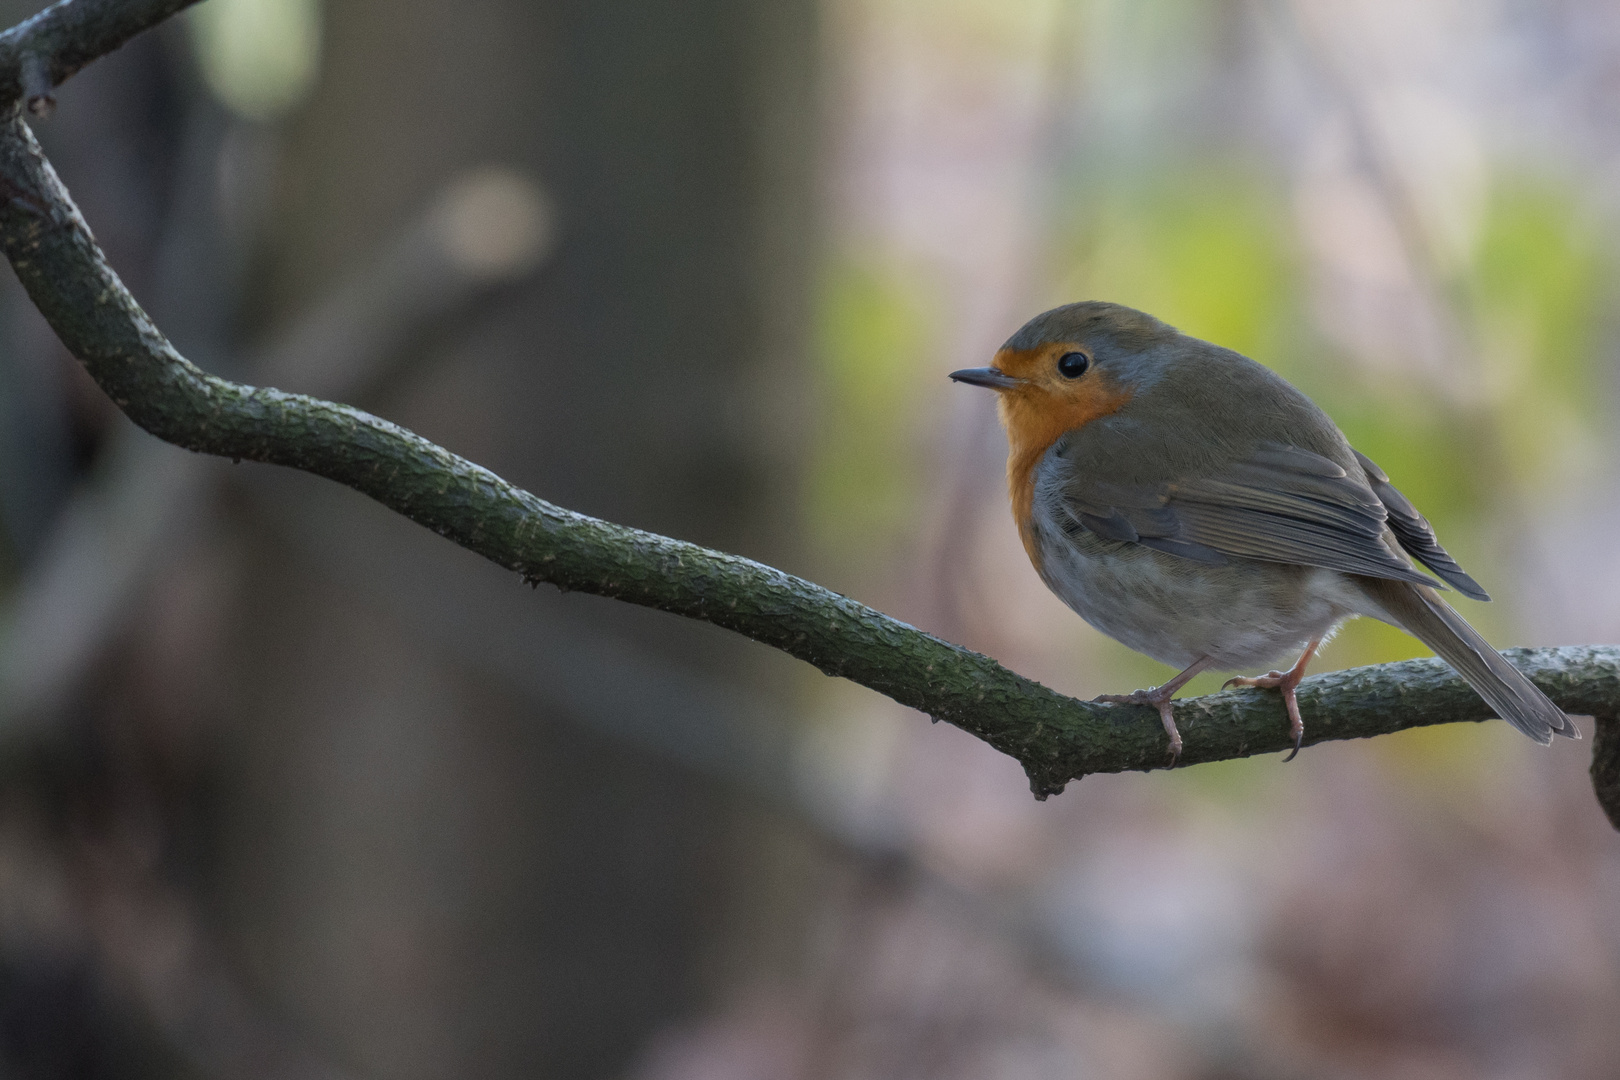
column 1211, row 512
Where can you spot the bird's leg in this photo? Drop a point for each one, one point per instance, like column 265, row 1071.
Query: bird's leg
column 1287, row 682
column 1159, row 698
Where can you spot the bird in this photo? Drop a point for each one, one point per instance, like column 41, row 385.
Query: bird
column 1191, row 503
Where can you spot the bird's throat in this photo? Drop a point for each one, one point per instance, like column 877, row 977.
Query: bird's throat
column 1034, row 421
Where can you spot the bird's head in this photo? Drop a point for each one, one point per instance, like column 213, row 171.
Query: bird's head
column 1072, row 365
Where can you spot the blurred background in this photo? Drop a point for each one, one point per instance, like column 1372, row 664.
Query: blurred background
column 293, row 788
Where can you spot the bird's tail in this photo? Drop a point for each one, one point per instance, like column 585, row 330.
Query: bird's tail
column 1420, row 611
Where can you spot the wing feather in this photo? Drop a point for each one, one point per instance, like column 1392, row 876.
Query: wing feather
column 1415, row 533
column 1281, row 504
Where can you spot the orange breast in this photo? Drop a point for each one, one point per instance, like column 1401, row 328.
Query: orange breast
column 1036, row 418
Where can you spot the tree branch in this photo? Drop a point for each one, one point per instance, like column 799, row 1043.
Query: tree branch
column 76, row 590
column 1056, row 738
column 41, row 53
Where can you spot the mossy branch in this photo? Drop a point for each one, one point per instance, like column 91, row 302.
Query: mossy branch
column 1056, row 738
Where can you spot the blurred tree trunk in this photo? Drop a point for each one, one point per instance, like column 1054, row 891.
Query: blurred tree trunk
column 422, row 869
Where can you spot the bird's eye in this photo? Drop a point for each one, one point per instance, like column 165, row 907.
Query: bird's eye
column 1073, row 365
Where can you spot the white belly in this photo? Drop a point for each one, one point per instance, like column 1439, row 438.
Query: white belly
column 1243, row 614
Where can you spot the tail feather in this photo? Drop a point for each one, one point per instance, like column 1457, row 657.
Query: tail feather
column 1420, row 612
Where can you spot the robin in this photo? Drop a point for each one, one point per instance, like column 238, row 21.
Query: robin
column 1193, row 505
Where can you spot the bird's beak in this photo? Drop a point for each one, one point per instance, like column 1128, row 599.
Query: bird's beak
column 994, row 378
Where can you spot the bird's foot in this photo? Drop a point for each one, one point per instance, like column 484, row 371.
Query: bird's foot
column 1269, row 681
column 1158, row 698
column 1286, row 681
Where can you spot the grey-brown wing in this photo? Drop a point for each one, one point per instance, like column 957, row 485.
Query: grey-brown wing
column 1281, row 504
column 1415, row 533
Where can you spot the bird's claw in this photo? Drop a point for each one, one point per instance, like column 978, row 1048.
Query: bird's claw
column 1299, row 738
column 1287, row 682
column 1158, row 699
column 1269, row 681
